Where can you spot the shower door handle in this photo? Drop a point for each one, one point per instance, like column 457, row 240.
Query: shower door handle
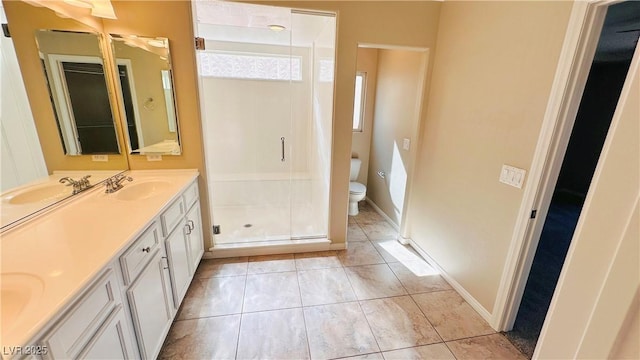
column 282, row 143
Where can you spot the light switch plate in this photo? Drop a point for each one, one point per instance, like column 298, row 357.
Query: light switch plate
column 406, row 143
column 154, row 157
column 512, row 176
column 101, row 158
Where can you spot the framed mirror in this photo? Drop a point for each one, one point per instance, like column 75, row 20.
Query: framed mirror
column 33, row 152
column 74, row 69
column 146, row 94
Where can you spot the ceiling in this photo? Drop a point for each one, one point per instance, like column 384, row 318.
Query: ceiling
column 249, row 23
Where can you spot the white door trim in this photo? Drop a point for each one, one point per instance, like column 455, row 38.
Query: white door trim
column 61, row 97
column 128, row 65
column 583, row 31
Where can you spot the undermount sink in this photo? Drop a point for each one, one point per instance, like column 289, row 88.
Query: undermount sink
column 40, row 194
column 142, row 190
column 20, row 292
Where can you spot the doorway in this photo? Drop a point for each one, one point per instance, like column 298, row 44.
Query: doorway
column 608, row 71
column 389, row 89
column 266, row 79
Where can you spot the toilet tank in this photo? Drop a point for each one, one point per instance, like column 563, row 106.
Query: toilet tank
column 355, row 169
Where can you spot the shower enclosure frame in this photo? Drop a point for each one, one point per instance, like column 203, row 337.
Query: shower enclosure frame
column 295, row 240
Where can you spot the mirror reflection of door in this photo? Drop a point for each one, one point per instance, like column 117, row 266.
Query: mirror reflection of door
column 146, row 94
column 74, row 72
column 91, row 110
column 130, row 111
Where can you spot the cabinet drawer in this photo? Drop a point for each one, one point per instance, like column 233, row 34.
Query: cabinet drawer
column 139, row 254
column 191, row 194
column 172, row 216
column 77, row 327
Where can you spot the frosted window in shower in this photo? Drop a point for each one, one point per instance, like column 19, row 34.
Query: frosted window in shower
column 230, row 65
column 326, row 70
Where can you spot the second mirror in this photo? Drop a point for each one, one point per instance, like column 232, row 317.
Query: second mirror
column 146, row 94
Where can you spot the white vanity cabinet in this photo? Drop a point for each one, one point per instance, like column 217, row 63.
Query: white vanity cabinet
column 178, row 256
column 94, row 326
column 108, row 343
column 148, row 290
column 126, row 311
column 184, row 243
column 194, row 236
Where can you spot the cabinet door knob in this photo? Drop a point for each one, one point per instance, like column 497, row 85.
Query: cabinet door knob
column 190, row 224
column 147, row 249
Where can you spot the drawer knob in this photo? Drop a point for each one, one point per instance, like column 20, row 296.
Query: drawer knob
column 147, row 249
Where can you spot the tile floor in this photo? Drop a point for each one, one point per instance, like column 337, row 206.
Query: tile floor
column 376, row 300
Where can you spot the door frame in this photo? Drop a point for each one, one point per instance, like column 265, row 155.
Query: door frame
column 404, row 226
column 581, row 39
column 128, row 65
column 61, row 96
column 267, row 247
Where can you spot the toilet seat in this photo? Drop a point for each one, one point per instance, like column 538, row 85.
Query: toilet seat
column 357, row 188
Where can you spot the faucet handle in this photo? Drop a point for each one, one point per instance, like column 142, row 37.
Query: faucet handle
column 68, row 180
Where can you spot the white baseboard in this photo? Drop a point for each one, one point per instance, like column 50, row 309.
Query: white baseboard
column 486, row 315
column 271, row 248
column 385, row 216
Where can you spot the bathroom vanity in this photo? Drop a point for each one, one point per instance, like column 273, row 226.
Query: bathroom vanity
column 102, row 276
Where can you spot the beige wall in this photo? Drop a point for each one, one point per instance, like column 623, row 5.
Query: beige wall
column 396, row 115
column 414, row 24
column 24, row 20
column 171, row 19
column 600, row 277
column 361, row 140
column 492, row 76
column 627, row 345
column 146, row 68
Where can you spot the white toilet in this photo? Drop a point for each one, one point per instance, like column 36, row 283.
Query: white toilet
column 357, row 191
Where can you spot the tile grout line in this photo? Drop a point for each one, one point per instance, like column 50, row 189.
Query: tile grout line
column 363, row 314
column 246, row 280
column 304, row 318
column 434, row 328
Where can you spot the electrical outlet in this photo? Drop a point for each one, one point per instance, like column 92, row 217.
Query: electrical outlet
column 101, row 158
column 406, row 144
column 512, row 176
column 154, row 157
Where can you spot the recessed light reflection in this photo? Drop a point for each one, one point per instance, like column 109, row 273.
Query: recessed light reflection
column 276, row 27
column 56, row 273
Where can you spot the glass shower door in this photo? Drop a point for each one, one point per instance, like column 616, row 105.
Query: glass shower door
column 312, row 123
column 246, row 72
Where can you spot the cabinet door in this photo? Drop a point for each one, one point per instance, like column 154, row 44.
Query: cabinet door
column 112, row 340
column 151, row 307
column 178, row 256
column 194, row 237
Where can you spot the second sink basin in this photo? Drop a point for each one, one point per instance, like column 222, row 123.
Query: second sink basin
column 19, row 292
column 40, row 194
column 142, row 190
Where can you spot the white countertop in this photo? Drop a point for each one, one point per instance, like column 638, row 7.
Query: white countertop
column 68, row 247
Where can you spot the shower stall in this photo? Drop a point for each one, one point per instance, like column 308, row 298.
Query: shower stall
column 266, row 79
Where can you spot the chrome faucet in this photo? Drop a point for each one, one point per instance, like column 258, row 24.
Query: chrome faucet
column 114, row 183
column 78, row 185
